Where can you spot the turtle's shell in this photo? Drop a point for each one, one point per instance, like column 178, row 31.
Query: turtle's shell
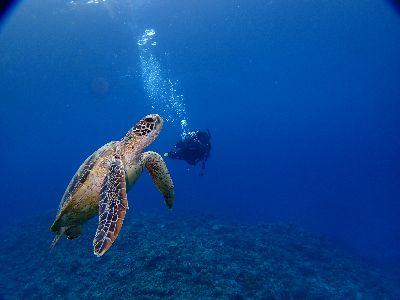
column 80, row 200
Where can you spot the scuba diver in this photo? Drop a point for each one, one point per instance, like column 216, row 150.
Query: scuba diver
column 194, row 147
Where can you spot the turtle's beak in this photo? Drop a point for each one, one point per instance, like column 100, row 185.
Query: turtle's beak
column 159, row 120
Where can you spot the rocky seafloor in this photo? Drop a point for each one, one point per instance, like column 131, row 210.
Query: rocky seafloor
column 185, row 256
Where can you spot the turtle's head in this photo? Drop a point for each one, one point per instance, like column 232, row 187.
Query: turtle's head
column 144, row 132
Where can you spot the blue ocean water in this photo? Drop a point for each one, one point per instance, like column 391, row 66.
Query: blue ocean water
column 301, row 97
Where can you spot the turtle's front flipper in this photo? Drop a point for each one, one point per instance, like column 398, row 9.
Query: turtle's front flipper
column 160, row 175
column 112, row 206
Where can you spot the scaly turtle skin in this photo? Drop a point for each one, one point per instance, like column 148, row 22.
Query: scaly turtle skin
column 101, row 183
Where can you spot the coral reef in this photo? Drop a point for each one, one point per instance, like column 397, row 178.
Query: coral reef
column 181, row 255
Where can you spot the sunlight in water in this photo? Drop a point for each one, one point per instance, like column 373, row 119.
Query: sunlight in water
column 161, row 90
column 77, row 2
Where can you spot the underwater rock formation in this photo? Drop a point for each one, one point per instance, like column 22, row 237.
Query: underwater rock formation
column 178, row 255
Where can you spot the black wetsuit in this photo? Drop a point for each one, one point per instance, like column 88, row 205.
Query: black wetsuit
column 195, row 147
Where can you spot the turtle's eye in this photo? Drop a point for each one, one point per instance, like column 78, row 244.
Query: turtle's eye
column 149, row 120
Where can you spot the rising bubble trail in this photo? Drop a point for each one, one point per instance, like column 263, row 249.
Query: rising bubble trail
column 161, row 90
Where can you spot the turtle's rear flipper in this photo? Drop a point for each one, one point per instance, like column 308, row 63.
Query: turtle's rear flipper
column 160, row 175
column 112, row 206
column 57, row 237
column 73, row 232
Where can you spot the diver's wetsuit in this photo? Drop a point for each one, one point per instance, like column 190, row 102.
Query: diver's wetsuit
column 194, row 147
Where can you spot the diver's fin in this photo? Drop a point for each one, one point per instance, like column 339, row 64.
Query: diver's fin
column 155, row 164
column 112, row 206
column 57, row 237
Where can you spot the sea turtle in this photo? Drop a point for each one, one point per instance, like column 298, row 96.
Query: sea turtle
column 101, row 183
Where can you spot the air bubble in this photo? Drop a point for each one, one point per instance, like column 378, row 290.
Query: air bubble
column 161, row 90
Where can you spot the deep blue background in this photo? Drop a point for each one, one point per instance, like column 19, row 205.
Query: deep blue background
column 302, row 99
